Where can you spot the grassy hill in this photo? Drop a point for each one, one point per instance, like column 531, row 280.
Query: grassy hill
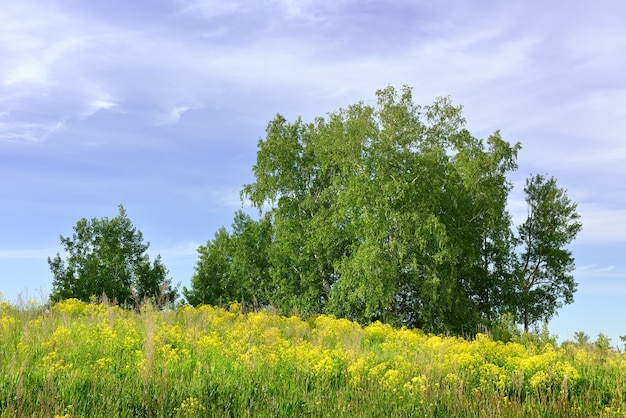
column 89, row 360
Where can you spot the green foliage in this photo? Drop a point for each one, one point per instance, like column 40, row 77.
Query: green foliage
column 602, row 342
column 108, row 257
column 393, row 212
column 505, row 329
column 581, row 338
column 543, row 268
column 538, row 336
column 85, row 360
column 233, row 266
column 211, row 280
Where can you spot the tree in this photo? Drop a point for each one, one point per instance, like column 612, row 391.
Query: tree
column 233, row 266
column 211, row 282
column 581, row 338
column 108, row 256
column 391, row 212
column 544, row 265
column 249, row 244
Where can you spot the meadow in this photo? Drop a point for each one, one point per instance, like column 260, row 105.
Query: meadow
column 96, row 360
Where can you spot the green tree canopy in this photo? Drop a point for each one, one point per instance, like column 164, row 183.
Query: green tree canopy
column 544, row 264
column 108, row 256
column 233, row 266
column 390, row 212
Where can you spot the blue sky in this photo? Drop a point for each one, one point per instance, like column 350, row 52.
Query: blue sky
column 159, row 106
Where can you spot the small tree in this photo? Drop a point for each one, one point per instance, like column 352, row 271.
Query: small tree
column 233, row 266
column 581, row 338
column 543, row 268
column 108, row 256
column 212, row 282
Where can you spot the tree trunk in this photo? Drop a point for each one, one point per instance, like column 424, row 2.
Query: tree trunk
column 525, row 320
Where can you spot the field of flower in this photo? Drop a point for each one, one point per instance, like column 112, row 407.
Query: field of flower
column 90, row 360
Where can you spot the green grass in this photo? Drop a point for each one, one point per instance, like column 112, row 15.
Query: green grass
column 86, row 360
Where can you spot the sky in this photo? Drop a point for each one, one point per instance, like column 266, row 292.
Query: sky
column 159, row 105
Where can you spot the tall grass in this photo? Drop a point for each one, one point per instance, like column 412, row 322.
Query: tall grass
column 79, row 360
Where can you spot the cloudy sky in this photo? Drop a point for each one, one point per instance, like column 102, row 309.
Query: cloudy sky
column 158, row 105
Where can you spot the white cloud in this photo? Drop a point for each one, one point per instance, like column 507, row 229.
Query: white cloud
column 87, row 66
column 96, row 105
column 310, row 9
column 294, row 8
column 174, row 114
column 49, row 61
column 73, row 68
column 593, row 269
column 28, row 131
column 28, row 254
column 210, row 9
column 602, row 225
column 299, row 9
column 182, row 250
column 26, row 72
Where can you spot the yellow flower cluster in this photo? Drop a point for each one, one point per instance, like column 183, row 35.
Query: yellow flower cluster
column 91, row 339
column 325, row 347
column 209, row 344
column 190, row 407
column 71, row 307
column 67, row 412
column 7, row 323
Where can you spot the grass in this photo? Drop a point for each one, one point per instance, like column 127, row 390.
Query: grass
column 95, row 360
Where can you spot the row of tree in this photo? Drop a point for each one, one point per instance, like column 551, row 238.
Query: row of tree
column 392, row 212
